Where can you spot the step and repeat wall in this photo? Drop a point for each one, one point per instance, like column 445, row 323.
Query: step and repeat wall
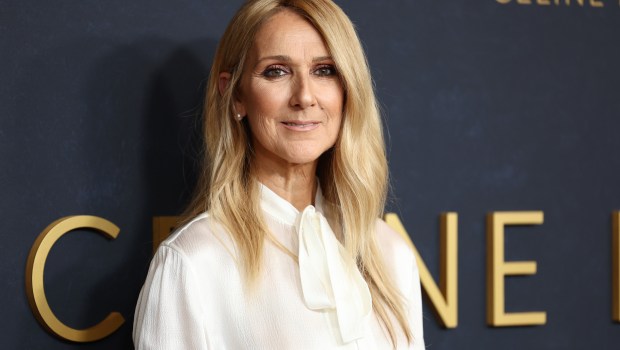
column 503, row 126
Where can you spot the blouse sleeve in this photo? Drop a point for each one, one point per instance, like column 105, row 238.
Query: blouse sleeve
column 168, row 314
column 401, row 261
column 415, row 308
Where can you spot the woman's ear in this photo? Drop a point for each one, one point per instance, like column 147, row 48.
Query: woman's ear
column 223, row 82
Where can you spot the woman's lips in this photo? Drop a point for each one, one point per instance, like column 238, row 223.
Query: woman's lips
column 301, row 125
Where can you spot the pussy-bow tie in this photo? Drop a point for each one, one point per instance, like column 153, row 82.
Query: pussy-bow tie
column 330, row 278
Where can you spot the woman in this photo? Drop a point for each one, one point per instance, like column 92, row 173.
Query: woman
column 283, row 247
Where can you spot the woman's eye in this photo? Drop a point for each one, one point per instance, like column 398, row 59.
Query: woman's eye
column 325, row 71
column 274, row 72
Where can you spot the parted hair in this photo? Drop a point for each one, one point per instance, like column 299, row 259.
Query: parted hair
column 353, row 174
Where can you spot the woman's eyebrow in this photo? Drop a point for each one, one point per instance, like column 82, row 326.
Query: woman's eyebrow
column 285, row 58
column 322, row 58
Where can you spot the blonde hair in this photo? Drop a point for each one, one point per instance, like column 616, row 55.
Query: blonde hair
column 353, row 174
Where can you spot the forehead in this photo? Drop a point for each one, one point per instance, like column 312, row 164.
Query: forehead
column 287, row 31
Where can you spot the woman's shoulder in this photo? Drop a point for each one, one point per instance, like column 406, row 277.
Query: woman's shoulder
column 398, row 256
column 202, row 236
column 393, row 243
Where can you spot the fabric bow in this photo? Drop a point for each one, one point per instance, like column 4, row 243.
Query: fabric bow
column 330, row 278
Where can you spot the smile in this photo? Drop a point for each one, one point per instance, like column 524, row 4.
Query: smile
column 299, row 125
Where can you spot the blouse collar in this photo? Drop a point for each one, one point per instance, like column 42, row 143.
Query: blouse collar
column 281, row 209
column 329, row 277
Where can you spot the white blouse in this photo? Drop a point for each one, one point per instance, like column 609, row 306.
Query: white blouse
column 194, row 296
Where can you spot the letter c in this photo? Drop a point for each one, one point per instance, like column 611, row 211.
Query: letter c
column 34, row 279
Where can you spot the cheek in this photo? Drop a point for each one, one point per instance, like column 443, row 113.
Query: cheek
column 262, row 129
column 265, row 99
column 262, row 123
column 332, row 95
column 332, row 103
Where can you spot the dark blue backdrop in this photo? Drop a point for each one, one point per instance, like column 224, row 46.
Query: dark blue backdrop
column 488, row 107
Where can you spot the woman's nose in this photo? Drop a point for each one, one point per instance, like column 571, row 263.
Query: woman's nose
column 302, row 95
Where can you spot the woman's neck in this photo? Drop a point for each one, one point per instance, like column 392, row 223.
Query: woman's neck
column 294, row 182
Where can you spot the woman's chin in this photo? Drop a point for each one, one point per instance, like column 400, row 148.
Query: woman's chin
column 307, row 156
column 291, row 154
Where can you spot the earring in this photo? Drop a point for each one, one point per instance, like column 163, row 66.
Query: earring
column 238, row 117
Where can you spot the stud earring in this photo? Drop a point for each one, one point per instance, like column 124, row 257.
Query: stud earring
column 238, row 117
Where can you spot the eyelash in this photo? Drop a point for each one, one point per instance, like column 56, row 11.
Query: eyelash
column 269, row 71
column 330, row 68
column 275, row 71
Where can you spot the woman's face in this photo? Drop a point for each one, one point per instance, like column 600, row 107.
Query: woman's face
column 290, row 92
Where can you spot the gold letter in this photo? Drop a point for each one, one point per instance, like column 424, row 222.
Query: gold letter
column 615, row 253
column 524, row 2
column 580, row 2
column 543, row 2
column 444, row 302
column 596, row 3
column 497, row 268
column 162, row 227
column 34, row 279
column 503, row 2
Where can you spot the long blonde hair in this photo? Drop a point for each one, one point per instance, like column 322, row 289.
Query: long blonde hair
column 353, row 174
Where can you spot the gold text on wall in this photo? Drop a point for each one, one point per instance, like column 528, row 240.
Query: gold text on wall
column 615, row 253
column 34, row 279
column 444, row 299
column 443, row 296
column 563, row 3
column 498, row 268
